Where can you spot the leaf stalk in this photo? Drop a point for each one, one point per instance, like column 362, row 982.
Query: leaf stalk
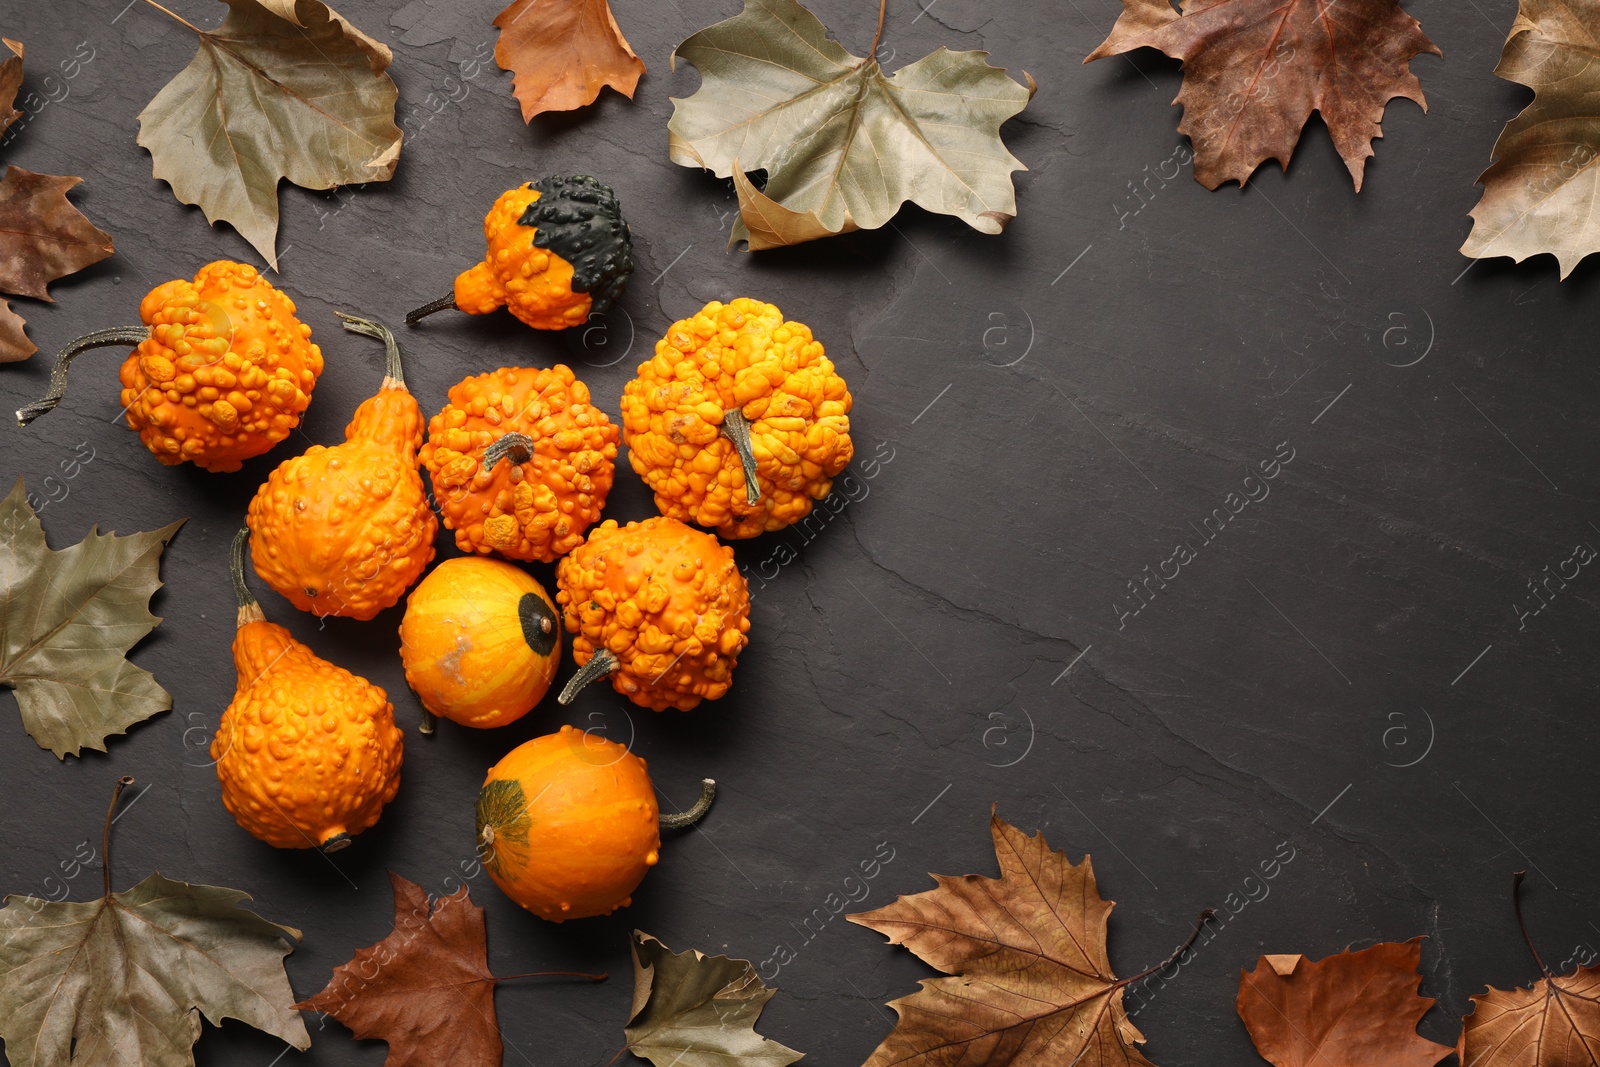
column 105, row 838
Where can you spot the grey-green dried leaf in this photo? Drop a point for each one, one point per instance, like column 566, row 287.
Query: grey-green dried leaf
column 282, row 89
column 694, row 1010
column 67, row 620
column 124, row 979
column 839, row 140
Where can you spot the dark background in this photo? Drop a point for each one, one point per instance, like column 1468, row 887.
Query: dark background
column 1049, row 436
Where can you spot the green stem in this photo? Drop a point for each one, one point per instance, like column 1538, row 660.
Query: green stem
column 685, row 819
column 600, row 664
column 105, row 839
column 416, row 315
column 736, row 428
column 391, row 350
column 116, row 335
column 519, row 446
column 241, row 591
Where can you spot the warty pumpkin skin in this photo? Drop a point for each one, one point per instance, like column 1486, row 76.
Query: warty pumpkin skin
column 521, row 462
column 568, row 825
column 558, row 250
column 660, row 607
column 346, row 530
column 222, row 372
column 739, row 422
column 307, row 753
column 480, row 641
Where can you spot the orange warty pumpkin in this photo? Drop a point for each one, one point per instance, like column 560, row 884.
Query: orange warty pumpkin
column 223, row 369
column 308, row 754
column 660, row 607
column 346, row 530
column 568, row 824
column 521, row 462
column 480, row 641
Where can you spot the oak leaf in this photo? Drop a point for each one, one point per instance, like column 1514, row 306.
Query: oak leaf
column 841, row 142
column 1353, row 1009
column 562, row 53
column 1540, row 191
column 281, row 89
column 695, row 1010
column 126, row 978
column 67, row 620
column 1254, row 70
column 14, row 343
column 1032, row 984
column 42, row 236
column 10, row 82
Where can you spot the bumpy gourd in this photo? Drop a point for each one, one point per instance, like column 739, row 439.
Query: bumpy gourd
column 658, row 606
column 308, row 754
column 480, row 641
column 568, row 824
column 521, row 462
column 346, row 530
column 222, row 372
column 558, row 250
column 739, row 422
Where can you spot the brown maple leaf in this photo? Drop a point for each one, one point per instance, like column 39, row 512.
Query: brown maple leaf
column 14, row 343
column 1033, row 985
column 426, row 988
column 1254, row 70
column 42, row 236
column 1352, row 1009
column 562, row 53
column 10, row 82
column 1553, row 1023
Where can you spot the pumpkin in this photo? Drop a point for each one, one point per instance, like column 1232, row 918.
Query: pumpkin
column 658, row 606
column 558, row 250
column 222, row 370
column 346, row 530
column 308, row 754
column 480, row 642
column 568, row 825
column 521, row 462
column 739, row 422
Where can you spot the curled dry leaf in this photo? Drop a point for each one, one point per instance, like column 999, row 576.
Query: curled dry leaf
column 843, row 144
column 1254, row 70
column 1353, row 1009
column 1032, row 983
column 694, row 1010
column 282, row 89
column 67, row 620
column 562, row 53
column 10, row 82
column 14, row 343
column 1539, row 194
column 42, row 236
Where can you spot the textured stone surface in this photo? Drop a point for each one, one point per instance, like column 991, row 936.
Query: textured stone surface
column 1047, row 432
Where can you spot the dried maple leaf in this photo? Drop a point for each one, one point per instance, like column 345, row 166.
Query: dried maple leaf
column 282, row 89
column 694, row 1010
column 1033, row 985
column 42, row 236
column 14, row 343
column 126, row 978
column 429, row 992
column 67, row 620
column 1352, row 1009
column 1553, row 1023
column 562, row 53
column 1540, row 192
column 842, row 144
column 1254, row 70
column 10, row 82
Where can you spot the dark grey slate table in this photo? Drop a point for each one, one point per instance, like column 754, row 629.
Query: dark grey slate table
column 1338, row 674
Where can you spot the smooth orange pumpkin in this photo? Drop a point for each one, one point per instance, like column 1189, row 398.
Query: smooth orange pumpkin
column 568, row 824
column 480, row 641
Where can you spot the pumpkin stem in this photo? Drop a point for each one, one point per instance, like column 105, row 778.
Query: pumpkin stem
column 416, row 315
column 117, row 335
column 105, row 838
column 336, row 843
column 600, row 664
column 685, row 819
column 249, row 610
column 393, row 376
column 519, row 446
column 736, row 428
column 429, row 721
